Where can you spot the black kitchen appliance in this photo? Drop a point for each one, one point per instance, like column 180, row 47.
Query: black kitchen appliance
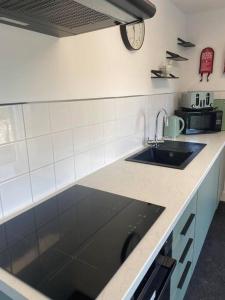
column 62, row 18
column 201, row 121
column 156, row 282
column 70, row 246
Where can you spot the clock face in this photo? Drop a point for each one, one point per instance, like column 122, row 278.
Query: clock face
column 133, row 35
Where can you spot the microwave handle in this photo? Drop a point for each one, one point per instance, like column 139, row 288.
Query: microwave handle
column 163, row 262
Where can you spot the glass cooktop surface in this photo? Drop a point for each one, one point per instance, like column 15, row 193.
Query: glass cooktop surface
column 70, row 246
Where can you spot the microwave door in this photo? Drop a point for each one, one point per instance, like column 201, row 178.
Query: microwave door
column 201, row 123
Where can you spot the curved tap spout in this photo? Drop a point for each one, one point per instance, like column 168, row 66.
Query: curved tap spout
column 156, row 141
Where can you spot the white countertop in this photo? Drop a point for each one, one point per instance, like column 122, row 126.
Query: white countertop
column 171, row 188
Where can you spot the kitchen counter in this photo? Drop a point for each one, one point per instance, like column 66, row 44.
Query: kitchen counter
column 171, row 188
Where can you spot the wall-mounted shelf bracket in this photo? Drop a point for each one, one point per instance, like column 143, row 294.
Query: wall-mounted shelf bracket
column 175, row 56
column 159, row 75
column 185, row 44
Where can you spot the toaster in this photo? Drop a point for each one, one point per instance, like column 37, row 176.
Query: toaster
column 197, row 100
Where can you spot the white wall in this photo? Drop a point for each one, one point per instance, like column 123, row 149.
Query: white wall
column 44, row 147
column 206, row 30
column 36, row 67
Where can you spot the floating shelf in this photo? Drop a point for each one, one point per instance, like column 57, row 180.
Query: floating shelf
column 184, row 43
column 174, row 56
column 158, row 75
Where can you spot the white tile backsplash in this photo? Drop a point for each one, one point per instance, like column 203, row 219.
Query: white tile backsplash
column 15, row 195
column 40, row 152
column 109, row 110
column 62, row 144
column 81, row 113
column 110, row 131
column 45, row 147
column 82, row 139
column 110, row 152
column 64, row 172
column 11, row 124
column 96, row 112
column 97, row 134
column 13, row 160
column 42, row 182
column 97, row 157
column 36, row 118
column 61, row 116
column 83, row 164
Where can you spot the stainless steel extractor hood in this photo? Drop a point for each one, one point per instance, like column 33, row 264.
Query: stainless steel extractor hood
column 62, row 18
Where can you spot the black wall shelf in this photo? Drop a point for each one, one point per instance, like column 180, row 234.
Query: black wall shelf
column 159, row 75
column 185, row 44
column 175, row 56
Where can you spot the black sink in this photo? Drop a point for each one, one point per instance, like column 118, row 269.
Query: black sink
column 171, row 154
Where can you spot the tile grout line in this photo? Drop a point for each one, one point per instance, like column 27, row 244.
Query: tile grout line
column 28, row 158
column 51, row 138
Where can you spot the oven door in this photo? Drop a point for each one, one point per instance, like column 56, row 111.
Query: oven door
column 156, row 283
column 201, row 122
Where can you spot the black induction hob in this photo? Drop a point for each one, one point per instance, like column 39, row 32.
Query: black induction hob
column 70, row 246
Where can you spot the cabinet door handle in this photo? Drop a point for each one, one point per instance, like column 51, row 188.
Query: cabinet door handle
column 186, row 250
column 184, row 275
column 188, row 224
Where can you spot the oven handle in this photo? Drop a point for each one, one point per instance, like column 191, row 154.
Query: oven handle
column 171, row 265
column 165, row 263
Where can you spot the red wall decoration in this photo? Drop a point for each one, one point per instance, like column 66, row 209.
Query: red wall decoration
column 206, row 62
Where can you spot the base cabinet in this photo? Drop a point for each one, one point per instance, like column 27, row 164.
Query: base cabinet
column 183, row 251
column 190, row 232
column 222, row 174
column 206, row 206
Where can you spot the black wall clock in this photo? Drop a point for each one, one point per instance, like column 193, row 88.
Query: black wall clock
column 133, row 35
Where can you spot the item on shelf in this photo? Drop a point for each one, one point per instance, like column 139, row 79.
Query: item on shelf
column 185, row 44
column 166, row 69
column 206, row 62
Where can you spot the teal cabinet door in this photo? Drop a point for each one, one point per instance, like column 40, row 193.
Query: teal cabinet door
column 4, row 296
column 182, row 250
column 200, row 211
column 206, row 206
column 222, row 175
column 220, row 104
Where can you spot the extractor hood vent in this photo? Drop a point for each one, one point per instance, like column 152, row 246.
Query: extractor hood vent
column 68, row 17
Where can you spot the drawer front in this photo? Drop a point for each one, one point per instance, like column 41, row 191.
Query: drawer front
column 4, row 297
column 183, row 251
column 184, row 282
column 181, row 241
column 180, row 268
column 182, row 224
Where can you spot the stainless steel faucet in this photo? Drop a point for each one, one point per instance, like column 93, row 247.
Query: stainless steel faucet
column 156, row 141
